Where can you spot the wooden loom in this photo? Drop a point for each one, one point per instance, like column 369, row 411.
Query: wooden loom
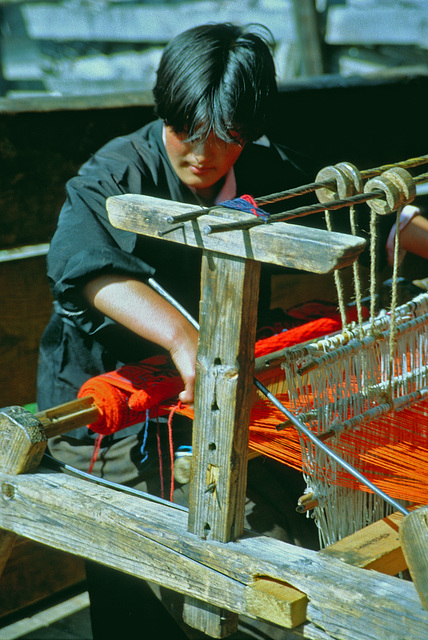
column 206, row 555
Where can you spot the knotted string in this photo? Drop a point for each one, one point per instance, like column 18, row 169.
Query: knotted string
column 247, row 204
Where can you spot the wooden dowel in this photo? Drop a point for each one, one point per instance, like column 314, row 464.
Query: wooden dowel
column 68, row 416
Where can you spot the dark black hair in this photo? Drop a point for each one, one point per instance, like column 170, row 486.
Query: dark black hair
column 217, row 77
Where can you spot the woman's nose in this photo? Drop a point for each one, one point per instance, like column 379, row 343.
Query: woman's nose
column 199, row 150
column 203, row 149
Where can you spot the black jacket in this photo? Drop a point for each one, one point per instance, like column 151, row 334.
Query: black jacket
column 80, row 342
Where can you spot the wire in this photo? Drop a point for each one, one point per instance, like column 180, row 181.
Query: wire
column 296, row 422
column 53, row 462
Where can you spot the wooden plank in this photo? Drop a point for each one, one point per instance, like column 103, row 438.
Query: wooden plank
column 286, row 605
column 142, row 23
column 377, row 547
column 279, row 243
column 152, row 541
column 379, row 25
column 26, row 305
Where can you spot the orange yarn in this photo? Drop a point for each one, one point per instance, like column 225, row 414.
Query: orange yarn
column 390, row 451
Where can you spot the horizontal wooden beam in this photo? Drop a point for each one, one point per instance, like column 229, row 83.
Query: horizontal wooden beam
column 279, row 243
column 151, row 541
column 371, row 25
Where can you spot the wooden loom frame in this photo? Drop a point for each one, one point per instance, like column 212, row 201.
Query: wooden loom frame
column 222, row 571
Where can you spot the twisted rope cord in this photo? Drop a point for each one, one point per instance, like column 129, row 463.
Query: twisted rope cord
column 299, row 211
column 313, row 186
column 393, row 332
column 338, row 280
column 302, row 190
column 356, row 273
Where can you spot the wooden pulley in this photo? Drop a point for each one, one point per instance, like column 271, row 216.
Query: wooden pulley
column 404, row 181
column 346, row 178
column 398, row 190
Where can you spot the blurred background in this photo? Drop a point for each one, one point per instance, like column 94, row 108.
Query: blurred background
column 353, row 77
column 88, row 47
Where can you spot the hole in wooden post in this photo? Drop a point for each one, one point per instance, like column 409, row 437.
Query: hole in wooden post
column 207, row 530
column 212, row 446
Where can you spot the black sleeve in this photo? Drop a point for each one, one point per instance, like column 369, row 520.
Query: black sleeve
column 85, row 244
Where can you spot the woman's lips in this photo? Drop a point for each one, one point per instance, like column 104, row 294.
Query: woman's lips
column 200, row 171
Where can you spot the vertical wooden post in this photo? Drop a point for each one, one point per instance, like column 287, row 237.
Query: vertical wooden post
column 224, row 388
column 309, row 39
column 22, row 444
column 23, row 440
column 414, row 542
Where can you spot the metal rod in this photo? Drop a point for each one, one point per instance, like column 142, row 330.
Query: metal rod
column 321, row 445
column 296, row 422
column 188, row 215
column 304, row 189
column 161, row 291
column 293, row 213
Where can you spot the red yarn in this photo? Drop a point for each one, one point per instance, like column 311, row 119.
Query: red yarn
column 171, row 447
column 124, row 396
column 308, row 331
column 95, row 452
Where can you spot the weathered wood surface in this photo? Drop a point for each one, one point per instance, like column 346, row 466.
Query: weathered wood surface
column 414, row 540
column 23, row 441
column 152, row 541
column 224, row 383
column 279, row 243
column 377, row 547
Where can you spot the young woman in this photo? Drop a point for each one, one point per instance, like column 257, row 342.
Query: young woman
column 214, row 93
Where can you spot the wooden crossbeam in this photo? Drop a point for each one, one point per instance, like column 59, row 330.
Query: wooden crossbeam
column 151, row 541
column 279, row 243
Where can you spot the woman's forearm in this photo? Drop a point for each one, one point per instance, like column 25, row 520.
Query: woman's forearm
column 138, row 307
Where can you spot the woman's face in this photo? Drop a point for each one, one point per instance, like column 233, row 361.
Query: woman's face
column 200, row 164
